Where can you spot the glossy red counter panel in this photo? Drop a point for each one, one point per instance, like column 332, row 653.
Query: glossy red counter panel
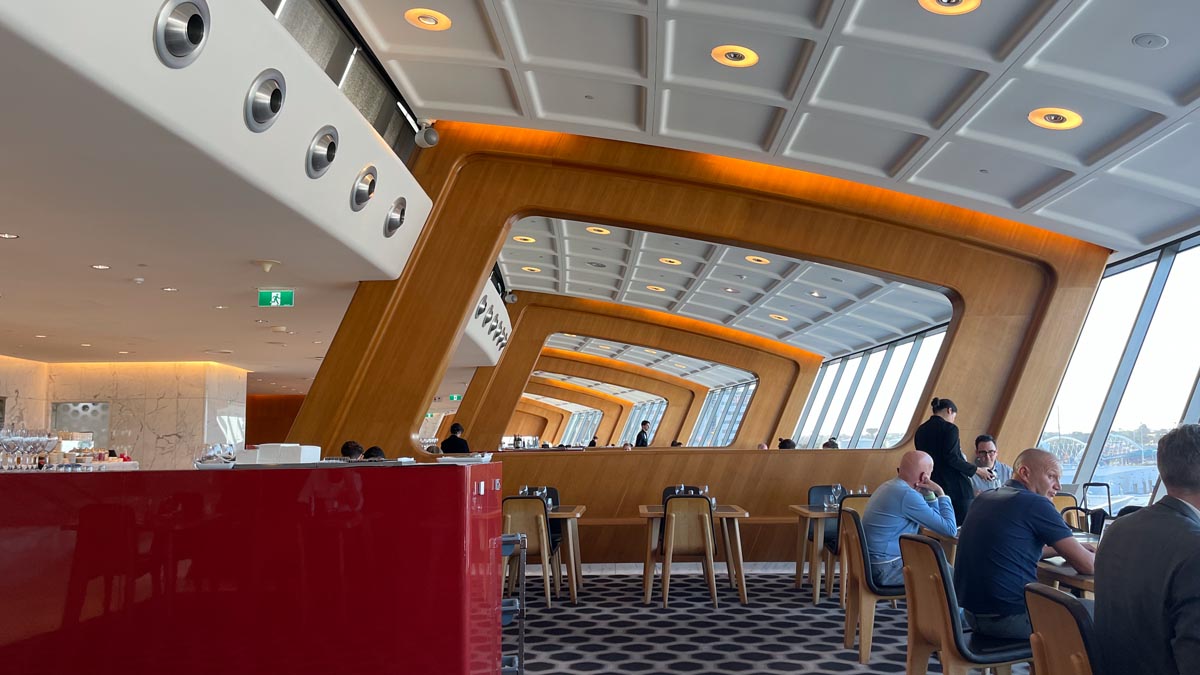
column 362, row 571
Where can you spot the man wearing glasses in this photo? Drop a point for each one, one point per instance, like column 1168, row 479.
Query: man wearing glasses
column 985, row 456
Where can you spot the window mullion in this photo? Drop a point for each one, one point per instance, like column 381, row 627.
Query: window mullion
column 816, row 431
column 899, row 393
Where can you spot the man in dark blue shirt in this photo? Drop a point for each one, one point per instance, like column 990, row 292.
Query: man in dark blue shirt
column 1006, row 532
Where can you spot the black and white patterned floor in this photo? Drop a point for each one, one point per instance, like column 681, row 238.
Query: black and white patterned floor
column 780, row 631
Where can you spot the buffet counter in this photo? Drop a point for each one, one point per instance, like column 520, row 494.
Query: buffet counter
column 364, row 570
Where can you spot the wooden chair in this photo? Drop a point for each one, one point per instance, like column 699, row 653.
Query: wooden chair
column 835, row 550
column 688, row 531
column 859, row 589
column 1063, row 639
column 1067, row 500
column 934, row 624
column 528, row 515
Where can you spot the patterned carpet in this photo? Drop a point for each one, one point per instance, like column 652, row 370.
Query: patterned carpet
column 780, row 631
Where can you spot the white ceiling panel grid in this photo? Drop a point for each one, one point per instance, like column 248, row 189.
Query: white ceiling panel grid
column 876, row 91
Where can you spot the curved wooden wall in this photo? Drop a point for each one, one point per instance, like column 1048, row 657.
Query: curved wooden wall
column 614, row 411
column 526, row 424
column 556, row 423
column 785, row 374
column 1020, row 297
column 684, row 397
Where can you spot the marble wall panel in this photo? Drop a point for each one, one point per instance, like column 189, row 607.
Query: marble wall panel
column 23, row 384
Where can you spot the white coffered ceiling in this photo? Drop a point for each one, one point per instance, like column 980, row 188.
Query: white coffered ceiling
column 558, row 403
column 711, row 375
column 823, row 309
column 877, row 91
column 626, row 393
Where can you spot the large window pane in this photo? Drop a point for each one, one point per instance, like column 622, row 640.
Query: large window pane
column 818, row 401
column 1158, row 388
column 887, row 390
column 859, row 401
column 837, row 402
column 911, row 398
column 722, row 415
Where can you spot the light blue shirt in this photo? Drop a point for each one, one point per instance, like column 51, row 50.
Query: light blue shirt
column 1003, row 475
column 895, row 509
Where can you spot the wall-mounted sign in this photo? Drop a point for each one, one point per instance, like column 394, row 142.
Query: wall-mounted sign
column 276, row 297
column 428, row 416
column 455, row 397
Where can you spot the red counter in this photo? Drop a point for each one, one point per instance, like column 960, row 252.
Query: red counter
column 357, row 571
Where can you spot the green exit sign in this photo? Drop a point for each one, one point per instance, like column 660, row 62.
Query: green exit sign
column 428, row 416
column 276, row 297
column 455, row 397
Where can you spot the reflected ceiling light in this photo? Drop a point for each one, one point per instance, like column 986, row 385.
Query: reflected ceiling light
column 732, row 290
column 679, row 365
column 816, row 294
column 599, row 230
column 1056, row 119
column 757, row 259
column 778, row 317
column 734, row 56
column 101, row 267
column 669, row 261
column 524, row 240
column 649, row 351
column 39, row 336
column 535, row 270
column 427, row 19
column 221, row 307
column 170, row 289
column 9, row 235
column 128, row 352
column 656, row 289
column 85, row 344
column 949, row 7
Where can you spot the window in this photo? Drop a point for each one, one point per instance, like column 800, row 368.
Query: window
column 581, row 427
column 868, row 399
column 722, row 414
column 1133, row 375
column 646, row 410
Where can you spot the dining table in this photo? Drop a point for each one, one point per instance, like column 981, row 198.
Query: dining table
column 570, row 544
column 728, row 516
column 816, row 515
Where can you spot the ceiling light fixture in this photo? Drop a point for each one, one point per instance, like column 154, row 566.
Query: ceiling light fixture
column 9, row 235
column 599, row 230
column 39, row 336
column 534, row 270
column 734, row 56
column 949, row 7
column 85, row 344
column 680, row 365
column 732, row 290
column 570, row 335
column 1055, row 119
column 221, row 307
column 101, row 267
column 122, row 353
column 757, row 259
column 524, row 240
column 669, row 261
column 170, row 289
column 656, row 289
column 427, row 19
column 816, row 294
column 778, row 317
column 649, row 351
column 603, row 347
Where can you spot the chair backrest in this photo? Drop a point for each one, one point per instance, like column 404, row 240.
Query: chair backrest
column 527, row 515
column 929, row 593
column 856, row 502
column 1063, row 638
column 692, row 516
column 1085, row 520
column 669, row 491
column 816, row 495
column 1126, row 510
column 1065, row 500
column 858, row 565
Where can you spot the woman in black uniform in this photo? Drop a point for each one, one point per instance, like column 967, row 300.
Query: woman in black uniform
column 938, row 436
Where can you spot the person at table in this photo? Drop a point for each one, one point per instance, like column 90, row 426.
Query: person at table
column 938, row 436
column 592, row 443
column 1006, row 533
column 455, row 443
column 1148, row 572
column 352, row 450
column 985, row 456
column 374, row 452
column 904, row 505
column 643, row 436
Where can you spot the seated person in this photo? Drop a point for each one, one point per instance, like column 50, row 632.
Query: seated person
column 374, row 452
column 763, row 446
column 830, row 444
column 1006, row 532
column 904, row 505
column 1148, row 572
column 455, row 443
column 352, row 450
column 985, row 456
column 433, row 450
column 627, row 446
column 676, row 444
column 787, row 444
column 592, row 443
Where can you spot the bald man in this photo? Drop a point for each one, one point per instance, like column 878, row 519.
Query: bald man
column 904, row 505
column 1006, row 533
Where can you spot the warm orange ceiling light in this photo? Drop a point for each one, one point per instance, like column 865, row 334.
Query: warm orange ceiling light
column 778, row 317
column 949, row 7
column 427, row 19
column 535, row 270
column 656, row 289
column 599, row 230
column 1055, row 119
column 649, row 351
column 524, row 240
column 669, row 261
column 734, row 56
column 757, row 259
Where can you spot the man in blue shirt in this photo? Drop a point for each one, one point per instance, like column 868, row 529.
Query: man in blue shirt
column 903, row 505
column 1006, row 532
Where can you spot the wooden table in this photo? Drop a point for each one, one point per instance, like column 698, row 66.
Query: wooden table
column 570, row 544
column 816, row 514
column 728, row 515
column 1056, row 572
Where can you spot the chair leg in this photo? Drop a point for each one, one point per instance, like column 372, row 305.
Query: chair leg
column 708, row 561
column 829, row 577
column 851, row 617
column 556, row 561
column 866, row 628
column 919, row 653
column 546, row 577
column 668, row 551
column 842, row 579
column 1007, row 670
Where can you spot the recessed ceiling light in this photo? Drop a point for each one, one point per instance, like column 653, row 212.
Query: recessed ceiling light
column 524, row 240
column 316, row 342
column 221, row 307
column 1150, row 40
column 170, row 289
column 599, row 230
column 101, row 267
column 272, row 384
column 1056, row 119
column 734, row 56
column 122, row 352
column 39, row 336
column 85, row 344
column 669, row 261
column 816, row 294
column 949, row 7
column 261, row 321
column 603, row 347
column 291, row 332
column 534, row 270
column 9, row 235
column 757, row 259
column 427, row 19
column 649, row 351
column 778, row 317
column 732, row 290
column 680, row 365
column 656, row 289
